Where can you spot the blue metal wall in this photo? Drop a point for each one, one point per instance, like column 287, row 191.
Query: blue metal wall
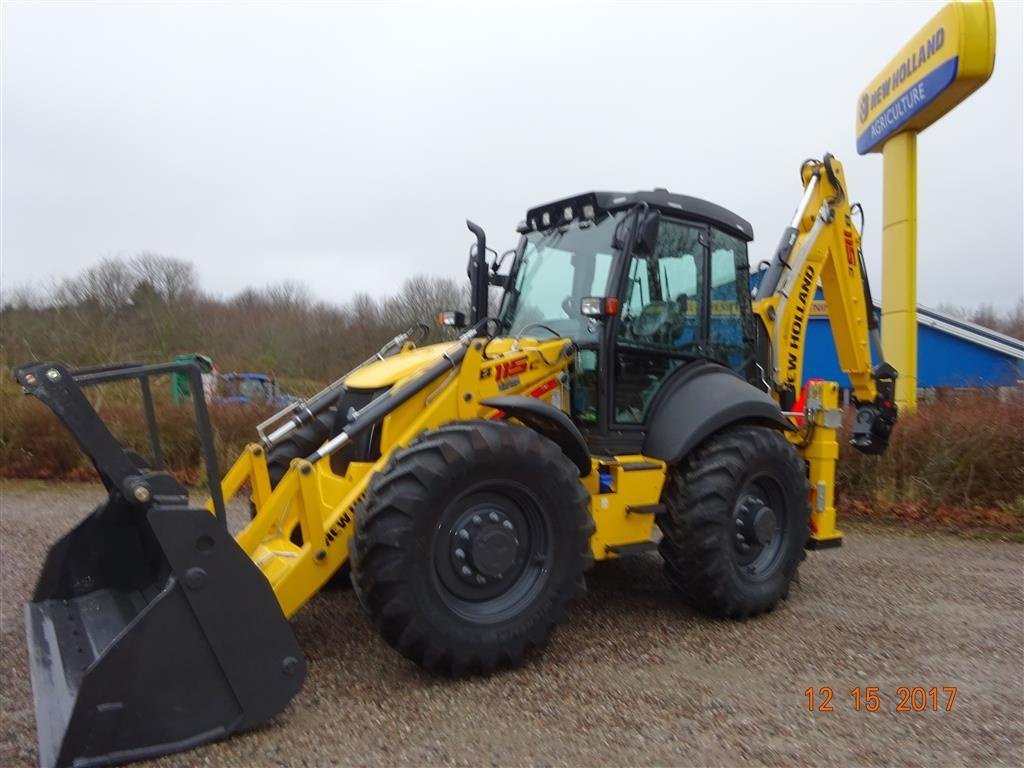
column 943, row 360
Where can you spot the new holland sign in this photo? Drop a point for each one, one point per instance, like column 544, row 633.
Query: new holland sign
column 947, row 60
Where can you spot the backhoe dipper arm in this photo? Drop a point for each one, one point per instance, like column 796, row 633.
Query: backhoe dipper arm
column 822, row 246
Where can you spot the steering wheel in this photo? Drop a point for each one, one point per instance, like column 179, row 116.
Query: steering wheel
column 651, row 320
column 658, row 321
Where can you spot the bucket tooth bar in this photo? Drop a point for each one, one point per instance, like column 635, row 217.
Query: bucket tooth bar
column 150, row 631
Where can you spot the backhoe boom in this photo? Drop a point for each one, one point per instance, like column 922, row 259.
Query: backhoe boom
column 823, row 247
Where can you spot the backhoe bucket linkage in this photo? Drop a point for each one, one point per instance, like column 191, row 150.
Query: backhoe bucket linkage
column 150, row 631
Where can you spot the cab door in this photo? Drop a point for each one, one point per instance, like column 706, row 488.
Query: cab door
column 689, row 299
column 730, row 336
column 662, row 321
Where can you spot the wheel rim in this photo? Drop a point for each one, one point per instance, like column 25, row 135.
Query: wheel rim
column 490, row 551
column 759, row 527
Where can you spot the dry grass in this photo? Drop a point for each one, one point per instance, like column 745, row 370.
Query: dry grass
column 957, row 463
column 963, row 451
column 34, row 444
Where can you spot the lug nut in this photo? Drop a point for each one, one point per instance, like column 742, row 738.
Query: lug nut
column 477, row 519
column 460, row 553
column 195, row 578
column 480, row 579
column 507, row 524
column 464, row 534
column 466, row 571
column 494, row 517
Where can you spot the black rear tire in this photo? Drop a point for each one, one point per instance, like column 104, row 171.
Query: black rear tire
column 736, row 522
column 470, row 545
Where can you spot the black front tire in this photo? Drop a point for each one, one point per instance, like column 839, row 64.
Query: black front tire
column 302, row 442
column 736, row 522
column 470, row 545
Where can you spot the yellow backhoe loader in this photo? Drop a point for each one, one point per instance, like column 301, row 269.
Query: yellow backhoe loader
column 630, row 380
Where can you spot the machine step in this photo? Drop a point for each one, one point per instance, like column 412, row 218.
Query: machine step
column 646, row 509
column 639, row 466
column 638, row 548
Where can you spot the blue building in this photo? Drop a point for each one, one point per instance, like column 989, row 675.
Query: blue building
column 950, row 353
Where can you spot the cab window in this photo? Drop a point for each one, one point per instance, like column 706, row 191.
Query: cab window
column 661, row 320
column 663, row 301
column 731, row 321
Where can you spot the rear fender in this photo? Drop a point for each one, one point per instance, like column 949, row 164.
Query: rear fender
column 700, row 400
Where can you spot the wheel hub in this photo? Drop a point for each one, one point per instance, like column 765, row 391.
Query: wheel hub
column 756, row 524
column 764, row 525
column 494, row 551
column 484, row 547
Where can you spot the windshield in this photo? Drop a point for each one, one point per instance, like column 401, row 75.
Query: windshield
column 556, row 269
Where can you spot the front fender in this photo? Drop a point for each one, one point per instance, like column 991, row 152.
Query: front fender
column 700, row 400
column 545, row 419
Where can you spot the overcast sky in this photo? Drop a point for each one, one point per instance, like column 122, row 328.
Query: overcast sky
column 343, row 145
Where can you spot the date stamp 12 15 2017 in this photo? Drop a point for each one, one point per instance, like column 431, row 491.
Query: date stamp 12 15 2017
column 871, row 698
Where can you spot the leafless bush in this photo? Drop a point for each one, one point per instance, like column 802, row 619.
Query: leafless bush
column 964, row 450
column 1009, row 322
column 150, row 307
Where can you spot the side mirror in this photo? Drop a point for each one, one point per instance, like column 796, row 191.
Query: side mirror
column 450, row 318
column 648, row 236
column 622, row 232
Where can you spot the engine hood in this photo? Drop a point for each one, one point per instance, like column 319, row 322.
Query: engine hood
column 385, row 373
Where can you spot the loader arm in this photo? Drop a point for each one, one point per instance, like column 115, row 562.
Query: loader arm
column 823, row 247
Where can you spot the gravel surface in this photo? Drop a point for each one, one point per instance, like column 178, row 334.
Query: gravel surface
column 635, row 677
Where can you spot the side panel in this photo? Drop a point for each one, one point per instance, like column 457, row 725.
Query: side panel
column 625, row 496
column 702, row 399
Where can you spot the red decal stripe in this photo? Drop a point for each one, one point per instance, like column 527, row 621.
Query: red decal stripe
column 544, row 388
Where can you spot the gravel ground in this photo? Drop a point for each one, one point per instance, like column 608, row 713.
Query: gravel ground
column 635, row 677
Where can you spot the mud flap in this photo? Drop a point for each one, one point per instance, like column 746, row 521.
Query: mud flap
column 150, row 630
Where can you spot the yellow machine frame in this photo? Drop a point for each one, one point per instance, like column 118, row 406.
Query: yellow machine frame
column 323, row 505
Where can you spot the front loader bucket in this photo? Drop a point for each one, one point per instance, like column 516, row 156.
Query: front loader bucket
column 150, row 631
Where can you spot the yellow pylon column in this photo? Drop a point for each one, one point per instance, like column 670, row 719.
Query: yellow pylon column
column 899, row 263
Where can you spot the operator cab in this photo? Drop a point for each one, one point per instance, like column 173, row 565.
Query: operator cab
column 647, row 280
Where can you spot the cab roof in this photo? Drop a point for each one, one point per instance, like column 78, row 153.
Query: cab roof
column 669, row 203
